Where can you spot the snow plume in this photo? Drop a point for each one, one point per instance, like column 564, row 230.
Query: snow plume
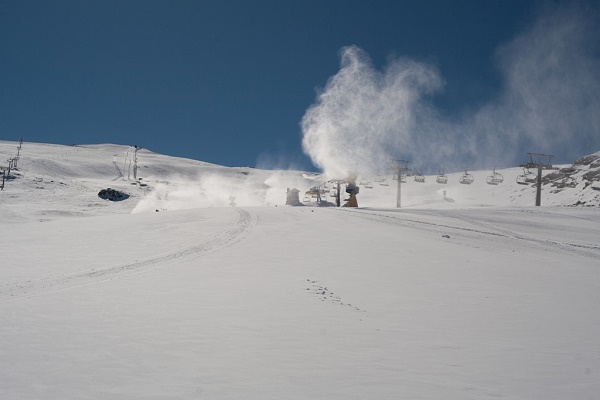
column 244, row 187
column 363, row 117
column 552, row 86
column 209, row 190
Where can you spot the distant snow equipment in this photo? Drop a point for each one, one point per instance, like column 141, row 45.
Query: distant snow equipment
column 352, row 190
column 466, row 178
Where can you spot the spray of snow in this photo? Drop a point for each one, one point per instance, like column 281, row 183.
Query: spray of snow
column 363, row 116
column 222, row 189
column 551, row 96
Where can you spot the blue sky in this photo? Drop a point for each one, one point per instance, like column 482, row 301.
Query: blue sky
column 228, row 82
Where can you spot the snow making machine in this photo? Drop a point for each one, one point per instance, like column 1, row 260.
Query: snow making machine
column 352, row 191
column 351, row 188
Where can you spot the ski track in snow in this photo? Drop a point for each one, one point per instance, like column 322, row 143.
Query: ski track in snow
column 488, row 229
column 119, row 173
column 235, row 231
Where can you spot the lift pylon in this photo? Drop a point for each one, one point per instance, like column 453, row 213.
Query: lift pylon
column 541, row 162
column 398, row 167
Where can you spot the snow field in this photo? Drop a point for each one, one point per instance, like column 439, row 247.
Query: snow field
column 466, row 299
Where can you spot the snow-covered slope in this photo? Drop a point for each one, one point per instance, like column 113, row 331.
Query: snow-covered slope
column 49, row 174
column 443, row 299
column 54, row 181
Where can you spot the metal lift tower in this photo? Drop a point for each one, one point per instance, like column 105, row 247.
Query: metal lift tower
column 398, row 167
column 536, row 161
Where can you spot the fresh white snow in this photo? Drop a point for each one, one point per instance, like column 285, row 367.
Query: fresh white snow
column 176, row 294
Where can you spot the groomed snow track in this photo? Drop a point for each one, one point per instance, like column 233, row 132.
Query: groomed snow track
column 234, row 231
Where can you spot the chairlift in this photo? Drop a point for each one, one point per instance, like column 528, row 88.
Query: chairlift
column 384, row 182
column 466, row 178
column 527, row 177
column 379, row 179
column 419, row 177
column 495, row 178
column 315, row 192
column 442, row 177
column 323, row 191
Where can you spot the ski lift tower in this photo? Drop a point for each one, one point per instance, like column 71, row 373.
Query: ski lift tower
column 398, row 167
column 539, row 161
column 135, row 165
column 337, row 186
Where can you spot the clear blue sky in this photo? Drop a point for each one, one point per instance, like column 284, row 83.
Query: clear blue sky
column 224, row 81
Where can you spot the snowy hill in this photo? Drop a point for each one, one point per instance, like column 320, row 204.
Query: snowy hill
column 468, row 294
column 48, row 175
column 55, row 180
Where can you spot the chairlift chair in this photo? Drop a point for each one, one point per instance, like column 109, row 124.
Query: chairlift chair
column 466, row 178
column 323, row 191
column 442, row 177
column 495, row 178
column 527, row 177
column 384, row 182
column 419, row 177
column 314, row 192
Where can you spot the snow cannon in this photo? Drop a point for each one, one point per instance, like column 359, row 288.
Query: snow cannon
column 352, row 191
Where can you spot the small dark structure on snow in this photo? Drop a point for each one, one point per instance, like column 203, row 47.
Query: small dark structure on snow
column 112, row 195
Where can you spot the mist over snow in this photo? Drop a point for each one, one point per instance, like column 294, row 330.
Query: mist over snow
column 241, row 187
column 365, row 117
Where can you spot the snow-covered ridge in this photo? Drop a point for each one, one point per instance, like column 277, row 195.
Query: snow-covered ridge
column 54, row 181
